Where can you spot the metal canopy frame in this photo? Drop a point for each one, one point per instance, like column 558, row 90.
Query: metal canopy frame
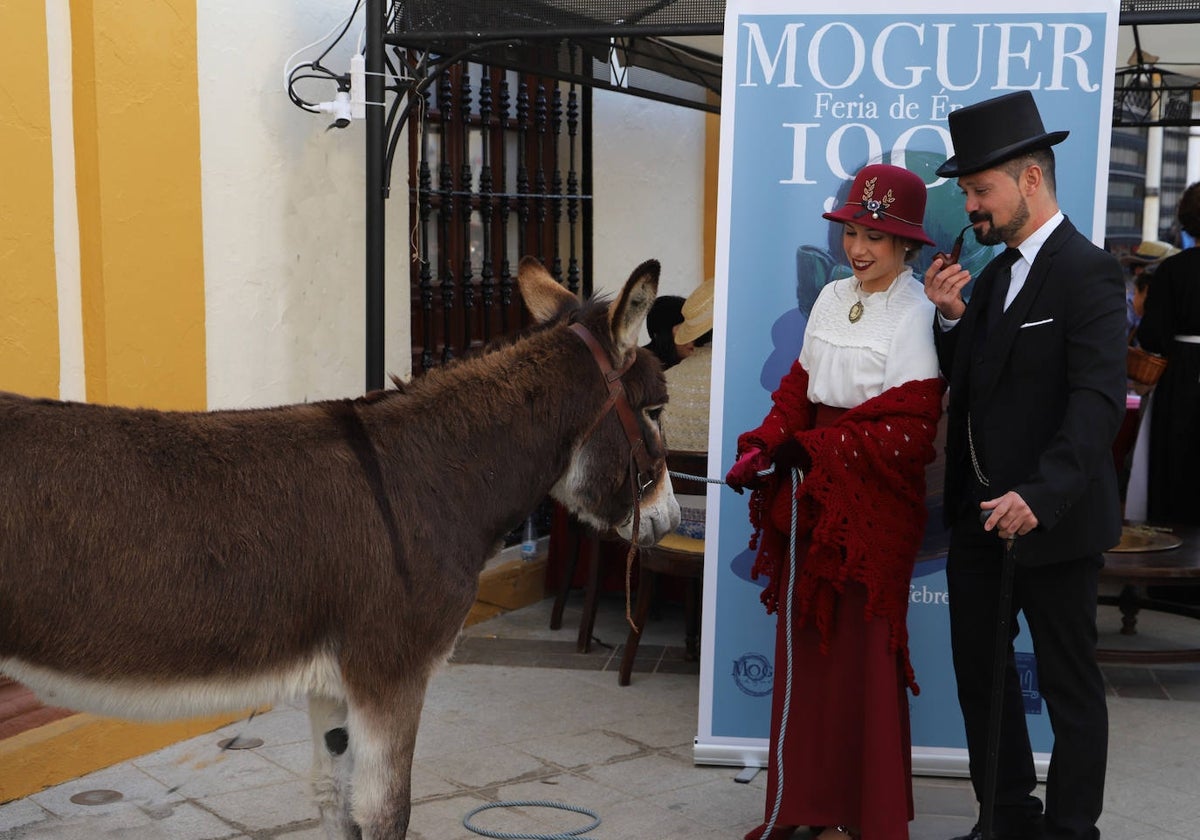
column 623, row 42
column 1146, row 95
column 627, row 45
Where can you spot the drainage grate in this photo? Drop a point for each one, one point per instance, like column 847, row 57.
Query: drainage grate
column 97, row 797
column 240, row 743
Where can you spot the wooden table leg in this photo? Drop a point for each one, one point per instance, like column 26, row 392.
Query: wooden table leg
column 570, row 556
column 641, row 612
column 1127, row 602
column 691, row 620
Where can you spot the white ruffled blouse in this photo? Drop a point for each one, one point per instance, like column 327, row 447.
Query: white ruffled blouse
column 892, row 343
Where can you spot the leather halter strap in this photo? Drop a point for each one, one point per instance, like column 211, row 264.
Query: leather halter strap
column 644, row 474
column 618, row 399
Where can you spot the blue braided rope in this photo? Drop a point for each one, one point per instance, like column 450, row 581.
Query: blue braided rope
column 691, row 477
column 785, row 615
column 505, row 835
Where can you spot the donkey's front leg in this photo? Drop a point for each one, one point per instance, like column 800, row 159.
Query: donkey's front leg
column 332, row 766
column 383, row 734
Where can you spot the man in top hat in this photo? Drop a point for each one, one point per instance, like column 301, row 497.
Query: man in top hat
column 1036, row 365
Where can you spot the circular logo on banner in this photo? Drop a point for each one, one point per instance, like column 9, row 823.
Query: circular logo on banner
column 753, row 674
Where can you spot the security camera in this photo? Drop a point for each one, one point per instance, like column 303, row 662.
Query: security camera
column 339, row 107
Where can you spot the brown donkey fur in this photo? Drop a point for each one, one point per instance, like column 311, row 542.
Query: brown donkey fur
column 161, row 564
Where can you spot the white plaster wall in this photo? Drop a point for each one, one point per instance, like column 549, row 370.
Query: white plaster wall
column 648, row 170
column 283, row 210
column 283, row 200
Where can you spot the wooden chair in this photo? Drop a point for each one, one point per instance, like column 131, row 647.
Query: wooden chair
column 676, row 555
column 578, row 541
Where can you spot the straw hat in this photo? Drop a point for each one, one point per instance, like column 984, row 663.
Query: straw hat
column 886, row 198
column 1150, row 252
column 697, row 313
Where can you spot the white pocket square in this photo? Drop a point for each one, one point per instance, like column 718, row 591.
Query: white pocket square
column 1037, row 323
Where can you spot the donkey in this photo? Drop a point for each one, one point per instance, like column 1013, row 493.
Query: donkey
column 166, row 564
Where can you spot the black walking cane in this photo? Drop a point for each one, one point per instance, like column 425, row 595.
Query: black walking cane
column 999, row 665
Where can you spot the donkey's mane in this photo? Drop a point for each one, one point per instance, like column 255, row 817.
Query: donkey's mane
column 586, row 312
column 487, row 357
column 476, row 366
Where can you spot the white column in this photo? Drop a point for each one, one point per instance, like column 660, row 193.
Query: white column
column 1151, row 209
column 1193, row 145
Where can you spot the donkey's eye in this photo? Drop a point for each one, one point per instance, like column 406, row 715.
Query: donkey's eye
column 654, row 413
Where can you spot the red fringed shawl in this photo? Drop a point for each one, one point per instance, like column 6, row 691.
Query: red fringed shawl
column 861, row 504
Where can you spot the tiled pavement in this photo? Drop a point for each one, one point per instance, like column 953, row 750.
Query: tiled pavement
column 519, row 716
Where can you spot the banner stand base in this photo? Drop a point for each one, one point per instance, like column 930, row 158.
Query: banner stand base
column 926, row 761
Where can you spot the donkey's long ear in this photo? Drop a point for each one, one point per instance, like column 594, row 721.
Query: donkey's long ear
column 545, row 297
column 627, row 315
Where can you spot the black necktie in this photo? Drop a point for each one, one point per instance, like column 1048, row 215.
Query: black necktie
column 999, row 291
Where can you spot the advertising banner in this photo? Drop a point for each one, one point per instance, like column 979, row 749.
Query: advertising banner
column 810, row 95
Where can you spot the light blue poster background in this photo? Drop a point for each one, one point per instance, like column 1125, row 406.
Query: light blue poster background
column 809, row 97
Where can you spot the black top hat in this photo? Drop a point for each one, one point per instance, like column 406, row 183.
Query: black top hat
column 990, row 132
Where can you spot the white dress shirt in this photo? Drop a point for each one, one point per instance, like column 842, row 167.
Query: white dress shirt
column 1020, row 269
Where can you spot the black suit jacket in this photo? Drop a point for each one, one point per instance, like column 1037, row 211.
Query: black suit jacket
column 1046, row 395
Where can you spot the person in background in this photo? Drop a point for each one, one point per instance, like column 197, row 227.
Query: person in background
column 1137, row 301
column 856, row 415
column 1141, row 264
column 1187, row 240
column 1036, row 363
column 665, row 314
column 1171, row 327
column 685, row 420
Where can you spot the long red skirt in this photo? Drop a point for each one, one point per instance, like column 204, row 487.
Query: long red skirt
column 847, row 750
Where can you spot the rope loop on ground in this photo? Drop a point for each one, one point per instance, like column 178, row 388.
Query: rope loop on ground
column 505, row 835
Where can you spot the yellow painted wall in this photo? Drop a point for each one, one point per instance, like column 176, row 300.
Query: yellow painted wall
column 135, row 105
column 29, row 360
column 137, row 147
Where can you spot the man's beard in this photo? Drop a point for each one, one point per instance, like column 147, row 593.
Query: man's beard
column 998, row 235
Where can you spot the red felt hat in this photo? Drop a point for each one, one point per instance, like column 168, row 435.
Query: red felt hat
column 886, row 198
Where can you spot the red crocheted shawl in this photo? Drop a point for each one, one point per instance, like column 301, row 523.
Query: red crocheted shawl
column 861, row 505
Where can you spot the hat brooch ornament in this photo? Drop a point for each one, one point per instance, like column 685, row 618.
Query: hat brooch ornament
column 871, row 204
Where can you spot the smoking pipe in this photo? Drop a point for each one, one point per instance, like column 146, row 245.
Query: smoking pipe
column 952, row 257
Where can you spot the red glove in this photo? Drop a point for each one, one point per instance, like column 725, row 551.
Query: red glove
column 745, row 473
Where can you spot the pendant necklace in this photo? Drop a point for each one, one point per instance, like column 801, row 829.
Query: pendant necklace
column 856, row 308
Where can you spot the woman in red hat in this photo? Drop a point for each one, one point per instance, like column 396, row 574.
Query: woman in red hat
column 856, row 418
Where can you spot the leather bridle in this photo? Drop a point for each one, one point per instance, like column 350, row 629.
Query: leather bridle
column 618, row 399
column 641, row 465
